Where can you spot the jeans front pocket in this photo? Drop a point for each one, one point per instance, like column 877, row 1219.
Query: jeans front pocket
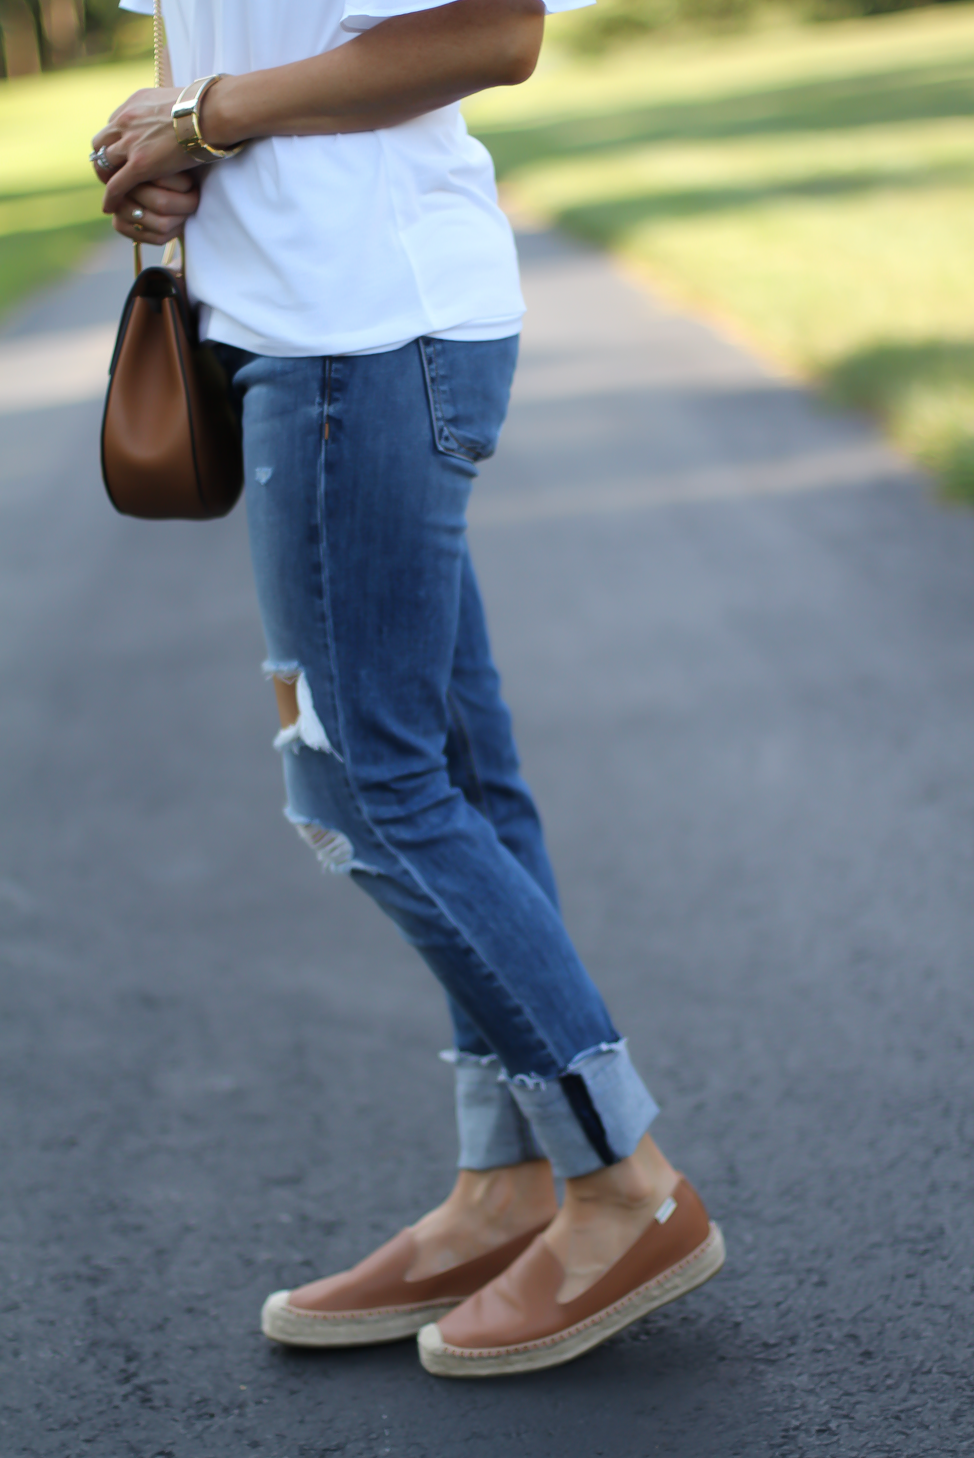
column 469, row 385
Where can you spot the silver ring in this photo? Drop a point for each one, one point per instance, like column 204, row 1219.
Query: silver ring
column 101, row 160
column 137, row 215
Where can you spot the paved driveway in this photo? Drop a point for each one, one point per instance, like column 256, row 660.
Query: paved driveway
column 738, row 637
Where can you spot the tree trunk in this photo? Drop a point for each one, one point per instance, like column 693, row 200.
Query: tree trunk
column 63, row 28
column 21, row 52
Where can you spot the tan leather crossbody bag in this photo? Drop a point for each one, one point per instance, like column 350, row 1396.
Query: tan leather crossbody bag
column 170, row 439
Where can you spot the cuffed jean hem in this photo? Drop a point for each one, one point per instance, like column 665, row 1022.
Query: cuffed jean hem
column 591, row 1116
column 491, row 1128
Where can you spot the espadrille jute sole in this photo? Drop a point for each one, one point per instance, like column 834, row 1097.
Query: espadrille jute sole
column 438, row 1357
column 283, row 1323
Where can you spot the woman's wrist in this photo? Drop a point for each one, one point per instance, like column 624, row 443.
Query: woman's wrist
column 220, row 123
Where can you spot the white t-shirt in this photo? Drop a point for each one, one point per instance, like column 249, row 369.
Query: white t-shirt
column 339, row 244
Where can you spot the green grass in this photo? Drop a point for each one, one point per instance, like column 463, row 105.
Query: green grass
column 50, row 200
column 811, row 187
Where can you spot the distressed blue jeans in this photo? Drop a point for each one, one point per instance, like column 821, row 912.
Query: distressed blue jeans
column 400, row 766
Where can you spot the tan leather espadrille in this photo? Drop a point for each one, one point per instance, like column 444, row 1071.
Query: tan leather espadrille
column 374, row 1302
column 517, row 1324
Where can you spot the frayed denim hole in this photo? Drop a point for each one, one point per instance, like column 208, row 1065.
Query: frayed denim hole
column 457, row 1057
column 333, row 849
column 288, row 671
column 527, row 1080
column 307, row 729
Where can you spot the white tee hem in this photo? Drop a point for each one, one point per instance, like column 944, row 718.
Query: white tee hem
column 220, row 329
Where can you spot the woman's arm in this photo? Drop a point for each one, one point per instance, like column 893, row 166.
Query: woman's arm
column 403, row 67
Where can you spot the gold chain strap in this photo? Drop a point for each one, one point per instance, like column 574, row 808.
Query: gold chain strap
column 158, row 41
column 158, row 48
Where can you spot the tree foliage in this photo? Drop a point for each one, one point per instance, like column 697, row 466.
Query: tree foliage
column 612, row 22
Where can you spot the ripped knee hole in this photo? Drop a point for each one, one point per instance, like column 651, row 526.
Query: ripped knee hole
column 286, row 693
column 300, row 724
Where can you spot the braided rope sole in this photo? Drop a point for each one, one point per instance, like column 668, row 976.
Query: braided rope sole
column 444, row 1360
column 282, row 1323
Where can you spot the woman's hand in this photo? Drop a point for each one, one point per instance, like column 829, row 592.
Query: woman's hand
column 138, row 146
column 154, row 212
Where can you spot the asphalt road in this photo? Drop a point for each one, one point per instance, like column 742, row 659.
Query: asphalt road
column 738, row 637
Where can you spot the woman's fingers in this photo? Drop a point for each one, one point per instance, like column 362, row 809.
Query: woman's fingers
column 149, row 228
column 102, row 160
column 138, row 145
column 154, row 212
column 108, row 134
column 158, row 197
column 137, row 170
column 178, row 181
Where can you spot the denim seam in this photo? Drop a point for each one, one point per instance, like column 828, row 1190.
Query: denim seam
column 367, row 820
column 321, row 545
column 467, row 745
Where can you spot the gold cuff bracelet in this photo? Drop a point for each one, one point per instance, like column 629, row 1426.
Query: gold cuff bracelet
column 186, row 121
